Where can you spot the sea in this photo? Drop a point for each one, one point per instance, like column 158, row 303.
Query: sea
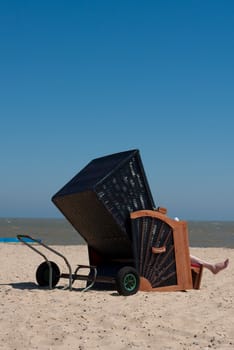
column 58, row 231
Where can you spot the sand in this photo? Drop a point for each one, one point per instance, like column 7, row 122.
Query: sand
column 36, row 318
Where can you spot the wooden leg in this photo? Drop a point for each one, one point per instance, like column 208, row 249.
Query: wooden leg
column 196, row 271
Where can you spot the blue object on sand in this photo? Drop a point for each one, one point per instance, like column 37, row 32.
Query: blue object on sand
column 15, row 240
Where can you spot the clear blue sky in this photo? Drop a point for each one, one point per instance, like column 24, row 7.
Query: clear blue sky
column 82, row 79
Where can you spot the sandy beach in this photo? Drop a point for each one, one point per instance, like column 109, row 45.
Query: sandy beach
column 36, row 318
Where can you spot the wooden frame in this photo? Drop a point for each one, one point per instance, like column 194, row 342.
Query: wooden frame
column 148, row 223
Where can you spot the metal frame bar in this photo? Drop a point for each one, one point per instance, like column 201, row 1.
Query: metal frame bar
column 72, row 277
column 21, row 239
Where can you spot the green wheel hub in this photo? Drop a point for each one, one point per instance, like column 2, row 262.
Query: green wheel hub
column 130, row 282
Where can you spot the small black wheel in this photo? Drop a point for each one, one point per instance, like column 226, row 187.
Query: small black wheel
column 43, row 274
column 127, row 281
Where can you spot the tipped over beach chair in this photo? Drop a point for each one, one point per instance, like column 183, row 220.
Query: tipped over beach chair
column 131, row 245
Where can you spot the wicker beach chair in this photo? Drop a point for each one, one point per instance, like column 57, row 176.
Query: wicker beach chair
column 110, row 204
column 131, row 245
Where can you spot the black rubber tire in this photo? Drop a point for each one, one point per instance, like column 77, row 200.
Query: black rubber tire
column 43, row 273
column 127, row 281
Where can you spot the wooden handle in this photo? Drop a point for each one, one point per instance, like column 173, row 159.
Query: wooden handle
column 158, row 250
